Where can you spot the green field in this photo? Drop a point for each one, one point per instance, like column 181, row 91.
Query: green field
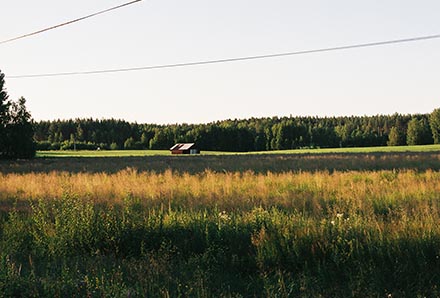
column 359, row 222
column 389, row 149
column 121, row 153
column 101, row 153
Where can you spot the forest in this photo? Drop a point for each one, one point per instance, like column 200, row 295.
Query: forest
column 254, row 134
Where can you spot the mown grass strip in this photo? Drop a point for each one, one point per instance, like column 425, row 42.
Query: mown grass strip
column 383, row 149
column 100, row 153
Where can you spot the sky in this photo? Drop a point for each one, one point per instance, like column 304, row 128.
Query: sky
column 398, row 78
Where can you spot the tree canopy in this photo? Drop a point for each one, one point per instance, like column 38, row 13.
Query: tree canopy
column 255, row 134
column 16, row 127
column 18, row 132
column 434, row 122
column 418, row 132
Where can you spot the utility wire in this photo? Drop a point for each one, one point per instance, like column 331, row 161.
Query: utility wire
column 68, row 23
column 339, row 48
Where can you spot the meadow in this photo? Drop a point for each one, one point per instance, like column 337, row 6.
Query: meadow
column 122, row 153
column 288, row 225
column 259, row 163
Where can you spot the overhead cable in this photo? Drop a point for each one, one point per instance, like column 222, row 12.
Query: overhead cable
column 228, row 60
column 68, row 23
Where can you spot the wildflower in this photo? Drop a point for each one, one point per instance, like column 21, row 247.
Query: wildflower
column 339, row 215
column 224, row 216
column 332, row 222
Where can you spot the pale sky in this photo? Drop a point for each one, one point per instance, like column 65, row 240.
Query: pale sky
column 402, row 78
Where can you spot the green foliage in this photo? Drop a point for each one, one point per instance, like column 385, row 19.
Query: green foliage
column 418, row 132
column 4, row 114
column 63, row 228
column 232, row 135
column 4, row 110
column 71, row 247
column 434, row 122
column 16, row 128
column 396, row 137
column 320, row 234
column 163, row 139
column 129, row 144
column 114, row 146
column 69, row 145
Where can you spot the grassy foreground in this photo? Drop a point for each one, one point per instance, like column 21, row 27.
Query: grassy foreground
column 228, row 234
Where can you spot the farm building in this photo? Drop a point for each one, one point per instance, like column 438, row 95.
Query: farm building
column 184, row 148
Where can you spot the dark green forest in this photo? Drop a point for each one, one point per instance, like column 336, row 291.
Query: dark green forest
column 255, row 134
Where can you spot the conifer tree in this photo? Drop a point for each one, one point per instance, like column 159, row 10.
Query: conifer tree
column 434, row 122
column 16, row 129
column 4, row 114
column 396, row 137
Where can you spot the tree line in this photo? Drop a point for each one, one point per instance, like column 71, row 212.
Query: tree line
column 254, row 134
column 20, row 136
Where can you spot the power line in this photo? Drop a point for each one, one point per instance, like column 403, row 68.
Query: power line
column 228, row 60
column 68, row 23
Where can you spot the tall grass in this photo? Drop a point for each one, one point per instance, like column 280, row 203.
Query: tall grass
column 228, row 234
column 312, row 192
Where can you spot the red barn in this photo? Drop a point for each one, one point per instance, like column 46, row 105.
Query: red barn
column 184, row 148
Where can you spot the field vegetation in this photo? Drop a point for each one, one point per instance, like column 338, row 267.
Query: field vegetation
column 123, row 153
column 260, row 163
column 359, row 222
column 324, row 225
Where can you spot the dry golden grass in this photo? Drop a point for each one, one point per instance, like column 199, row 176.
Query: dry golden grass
column 312, row 192
column 347, row 233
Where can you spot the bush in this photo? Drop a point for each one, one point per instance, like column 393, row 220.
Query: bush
column 69, row 145
column 55, row 146
column 43, row 146
column 114, row 146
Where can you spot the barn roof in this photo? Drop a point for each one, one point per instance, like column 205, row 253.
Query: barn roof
column 182, row 146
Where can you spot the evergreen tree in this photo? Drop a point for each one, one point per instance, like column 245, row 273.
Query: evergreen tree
column 434, row 122
column 129, row 143
column 79, row 133
column 16, row 128
column 4, row 114
column 163, row 139
column 412, row 133
column 21, row 132
column 396, row 137
column 418, row 132
column 239, row 135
